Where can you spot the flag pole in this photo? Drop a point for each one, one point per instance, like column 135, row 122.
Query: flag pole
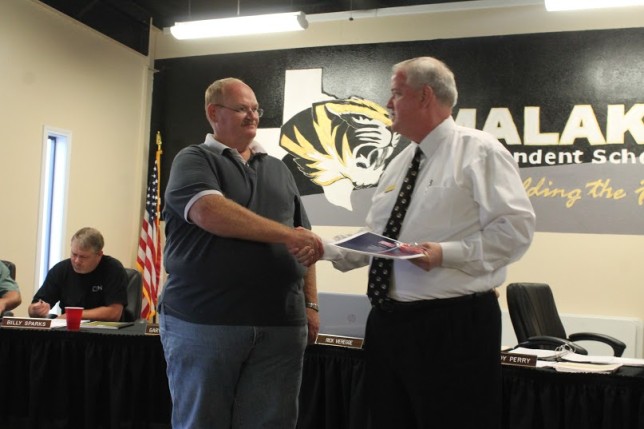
column 148, row 259
column 158, row 222
column 158, row 162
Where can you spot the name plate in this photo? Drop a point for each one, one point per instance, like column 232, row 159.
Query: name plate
column 152, row 329
column 518, row 359
column 339, row 341
column 26, row 322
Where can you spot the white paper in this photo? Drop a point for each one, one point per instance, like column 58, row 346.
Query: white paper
column 58, row 323
column 569, row 356
column 376, row 245
column 586, row 367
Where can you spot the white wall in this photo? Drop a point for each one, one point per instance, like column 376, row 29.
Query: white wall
column 59, row 73
column 590, row 274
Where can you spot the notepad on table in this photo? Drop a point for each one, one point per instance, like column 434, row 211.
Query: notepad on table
column 98, row 324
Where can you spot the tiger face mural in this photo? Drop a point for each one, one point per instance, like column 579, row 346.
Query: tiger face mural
column 341, row 145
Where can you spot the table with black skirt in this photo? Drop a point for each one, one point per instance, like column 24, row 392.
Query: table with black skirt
column 102, row 379
column 94, row 379
column 333, row 395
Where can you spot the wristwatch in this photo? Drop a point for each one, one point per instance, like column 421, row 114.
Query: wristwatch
column 313, row 306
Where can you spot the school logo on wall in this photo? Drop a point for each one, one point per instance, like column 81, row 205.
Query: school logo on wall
column 338, row 148
column 341, row 145
column 569, row 106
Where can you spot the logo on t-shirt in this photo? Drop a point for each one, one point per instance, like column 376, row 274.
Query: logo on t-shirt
column 97, row 288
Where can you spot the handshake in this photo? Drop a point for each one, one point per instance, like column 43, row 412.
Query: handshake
column 305, row 246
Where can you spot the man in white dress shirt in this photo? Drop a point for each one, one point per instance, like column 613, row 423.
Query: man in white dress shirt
column 432, row 341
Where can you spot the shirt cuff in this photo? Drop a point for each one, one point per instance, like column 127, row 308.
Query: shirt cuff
column 452, row 254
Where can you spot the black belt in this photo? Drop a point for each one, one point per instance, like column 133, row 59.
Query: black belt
column 391, row 306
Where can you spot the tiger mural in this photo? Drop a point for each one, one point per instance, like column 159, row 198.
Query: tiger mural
column 341, row 145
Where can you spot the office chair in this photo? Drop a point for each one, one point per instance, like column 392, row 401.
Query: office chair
column 537, row 323
column 132, row 311
column 12, row 274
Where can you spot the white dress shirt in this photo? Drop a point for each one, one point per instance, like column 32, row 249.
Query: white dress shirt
column 468, row 197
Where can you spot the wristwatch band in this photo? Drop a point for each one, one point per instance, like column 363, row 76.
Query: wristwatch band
column 313, row 306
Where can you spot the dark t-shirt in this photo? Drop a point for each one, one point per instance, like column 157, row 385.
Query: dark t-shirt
column 104, row 286
column 226, row 281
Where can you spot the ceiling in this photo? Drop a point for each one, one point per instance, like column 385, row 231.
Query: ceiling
column 128, row 21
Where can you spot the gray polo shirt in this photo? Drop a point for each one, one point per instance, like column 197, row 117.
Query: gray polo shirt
column 6, row 282
column 227, row 281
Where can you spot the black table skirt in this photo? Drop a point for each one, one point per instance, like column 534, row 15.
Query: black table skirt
column 92, row 380
column 332, row 395
column 543, row 398
column 58, row 379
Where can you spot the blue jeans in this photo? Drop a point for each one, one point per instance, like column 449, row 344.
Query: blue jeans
column 237, row 377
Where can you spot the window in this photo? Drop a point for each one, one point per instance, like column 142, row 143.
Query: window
column 53, row 200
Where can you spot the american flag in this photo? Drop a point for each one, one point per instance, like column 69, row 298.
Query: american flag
column 148, row 259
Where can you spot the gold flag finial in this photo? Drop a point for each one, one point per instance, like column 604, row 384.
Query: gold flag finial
column 159, row 141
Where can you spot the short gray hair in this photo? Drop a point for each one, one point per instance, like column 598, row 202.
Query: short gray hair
column 89, row 238
column 433, row 73
column 216, row 91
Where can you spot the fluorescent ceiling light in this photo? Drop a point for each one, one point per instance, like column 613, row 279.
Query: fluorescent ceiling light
column 240, row 25
column 555, row 5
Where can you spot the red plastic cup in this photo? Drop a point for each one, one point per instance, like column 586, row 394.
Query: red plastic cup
column 74, row 316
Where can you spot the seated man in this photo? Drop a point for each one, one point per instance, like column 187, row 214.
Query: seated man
column 88, row 279
column 9, row 292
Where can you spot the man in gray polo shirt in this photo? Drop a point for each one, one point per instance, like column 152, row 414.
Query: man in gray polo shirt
column 9, row 292
column 241, row 284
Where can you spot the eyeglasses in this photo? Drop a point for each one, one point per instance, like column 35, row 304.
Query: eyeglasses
column 245, row 110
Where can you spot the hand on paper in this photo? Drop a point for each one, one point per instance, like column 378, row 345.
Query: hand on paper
column 432, row 254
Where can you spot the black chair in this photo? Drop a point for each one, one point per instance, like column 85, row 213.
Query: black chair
column 132, row 311
column 537, row 323
column 12, row 274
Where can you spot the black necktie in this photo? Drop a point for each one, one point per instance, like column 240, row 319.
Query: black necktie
column 380, row 270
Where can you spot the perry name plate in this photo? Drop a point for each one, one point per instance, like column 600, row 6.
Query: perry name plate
column 518, row 359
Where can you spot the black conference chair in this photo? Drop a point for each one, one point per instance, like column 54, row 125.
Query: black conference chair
column 537, row 323
column 132, row 311
column 12, row 274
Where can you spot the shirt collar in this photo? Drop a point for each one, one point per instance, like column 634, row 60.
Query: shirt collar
column 219, row 147
column 430, row 143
